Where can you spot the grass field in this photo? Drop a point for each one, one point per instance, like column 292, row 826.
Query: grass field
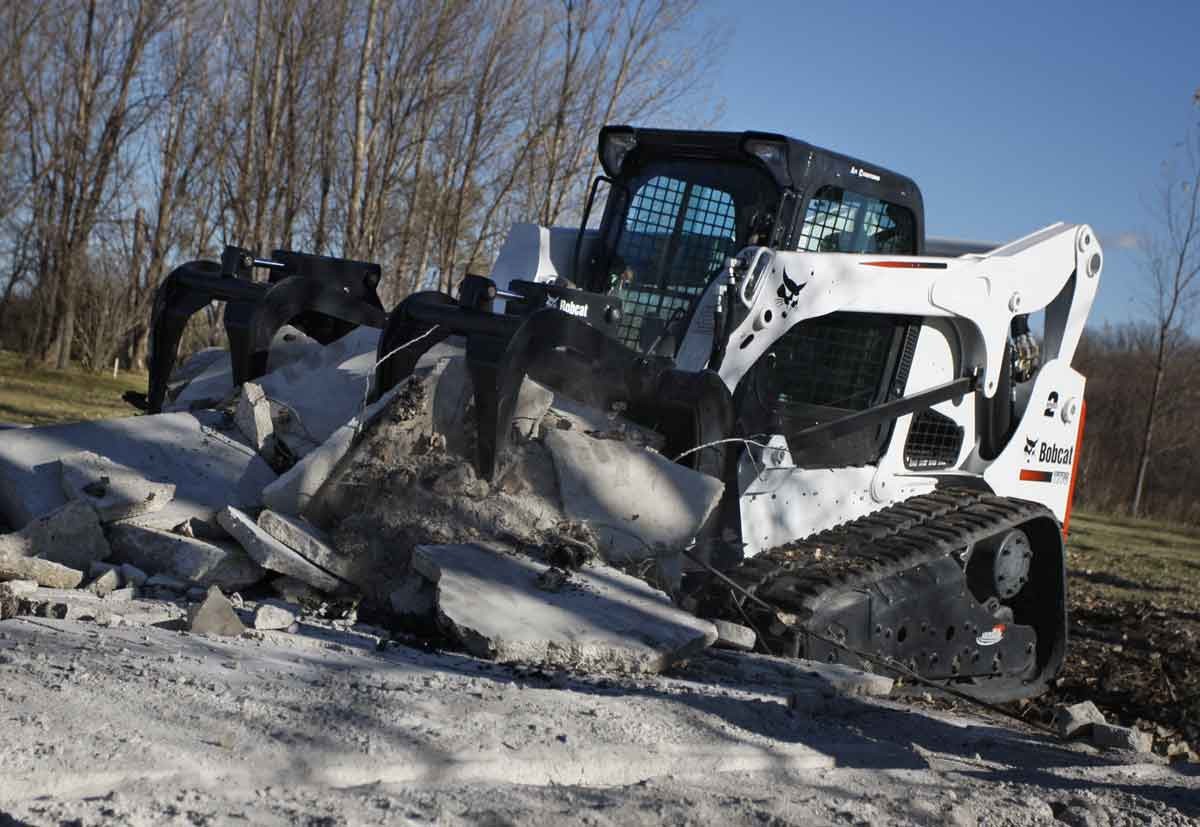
column 41, row 397
column 1135, row 560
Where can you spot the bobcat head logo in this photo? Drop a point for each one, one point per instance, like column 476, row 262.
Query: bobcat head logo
column 788, row 293
column 1030, row 447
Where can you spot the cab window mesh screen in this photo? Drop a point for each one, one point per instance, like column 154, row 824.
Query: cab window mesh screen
column 840, row 221
column 675, row 237
column 833, row 363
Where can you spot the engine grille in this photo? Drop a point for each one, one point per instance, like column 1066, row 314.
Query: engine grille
column 934, row 441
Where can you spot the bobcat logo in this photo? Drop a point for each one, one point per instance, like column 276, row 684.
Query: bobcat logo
column 789, row 294
column 1030, row 447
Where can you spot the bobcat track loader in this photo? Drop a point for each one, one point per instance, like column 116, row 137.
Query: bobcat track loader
column 898, row 471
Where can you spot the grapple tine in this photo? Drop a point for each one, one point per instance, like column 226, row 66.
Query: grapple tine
column 286, row 300
column 186, row 289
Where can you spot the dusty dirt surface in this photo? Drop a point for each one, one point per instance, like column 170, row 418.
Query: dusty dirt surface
column 147, row 725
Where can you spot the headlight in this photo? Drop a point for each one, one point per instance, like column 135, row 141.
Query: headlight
column 771, row 153
column 614, row 146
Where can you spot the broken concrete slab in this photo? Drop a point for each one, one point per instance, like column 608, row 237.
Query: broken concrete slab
column 1119, row 737
column 253, row 415
column 214, row 616
column 326, row 388
column 634, row 499
column 415, row 601
column 454, row 399
column 296, row 591
column 734, row 636
column 122, row 595
column 206, row 378
column 167, row 582
column 292, row 492
column 104, row 583
column 10, row 602
column 43, row 572
column 751, row 668
column 210, row 468
column 274, row 616
column 194, row 561
column 566, row 414
column 310, row 543
column 70, row 535
column 603, row 620
column 272, row 554
column 133, row 575
column 1077, row 718
column 115, row 491
column 21, row 587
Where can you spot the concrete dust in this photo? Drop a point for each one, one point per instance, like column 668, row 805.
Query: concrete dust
column 331, row 726
column 401, row 486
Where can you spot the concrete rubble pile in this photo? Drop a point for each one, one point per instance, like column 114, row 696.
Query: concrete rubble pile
column 289, row 500
column 289, row 506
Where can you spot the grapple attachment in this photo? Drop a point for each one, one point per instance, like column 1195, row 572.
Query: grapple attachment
column 325, row 297
column 568, row 353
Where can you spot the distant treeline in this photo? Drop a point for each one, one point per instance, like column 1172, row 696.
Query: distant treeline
column 1118, row 363
column 137, row 134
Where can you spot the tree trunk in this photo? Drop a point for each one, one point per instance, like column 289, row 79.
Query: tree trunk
column 1148, row 431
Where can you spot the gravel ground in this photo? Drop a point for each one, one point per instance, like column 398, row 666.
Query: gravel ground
column 145, row 725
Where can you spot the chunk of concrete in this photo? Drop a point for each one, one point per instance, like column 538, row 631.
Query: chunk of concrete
column 734, row 636
column 10, row 602
column 309, row 542
column 606, row 620
column 64, row 604
column 115, row 491
column 214, row 616
column 272, row 554
column 1077, row 718
column 454, row 399
column 70, row 535
column 415, row 600
column 166, row 581
column 634, row 499
column 43, row 572
column 273, row 616
column 21, row 587
column 753, row 668
column 105, row 582
column 292, row 492
column 296, row 591
column 1119, row 737
column 206, row 378
column 133, row 575
column 194, row 561
column 327, row 388
column 253, row 415
column 209, row 468
column 122, row 595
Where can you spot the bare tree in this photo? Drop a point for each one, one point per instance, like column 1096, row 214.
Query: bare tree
column 1172, row 257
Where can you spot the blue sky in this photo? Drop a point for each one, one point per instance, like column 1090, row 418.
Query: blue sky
column 1009, row 115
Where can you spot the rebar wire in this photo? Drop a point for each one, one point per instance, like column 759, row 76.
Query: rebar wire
column 717, row 442
column 878, row 660
column 374, row 367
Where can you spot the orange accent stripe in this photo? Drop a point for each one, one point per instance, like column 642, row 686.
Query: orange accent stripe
column 1074, row 468
column 1029, row 475
column 911, row 265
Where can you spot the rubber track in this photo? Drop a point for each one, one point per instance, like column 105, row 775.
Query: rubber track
column 798, row 577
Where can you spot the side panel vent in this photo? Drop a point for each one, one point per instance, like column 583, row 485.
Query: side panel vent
column 934, row 441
